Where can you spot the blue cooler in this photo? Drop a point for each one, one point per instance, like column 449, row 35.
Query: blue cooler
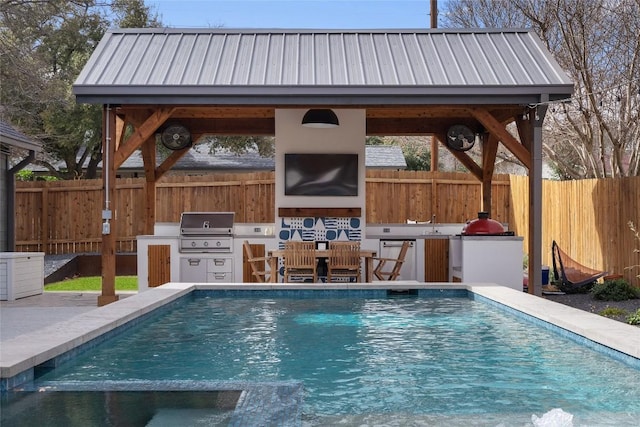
column 545, row 275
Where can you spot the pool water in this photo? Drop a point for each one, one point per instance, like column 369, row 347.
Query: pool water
column 424, row 359
column 118, row 408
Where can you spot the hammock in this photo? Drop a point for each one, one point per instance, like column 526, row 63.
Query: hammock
column 572, row 273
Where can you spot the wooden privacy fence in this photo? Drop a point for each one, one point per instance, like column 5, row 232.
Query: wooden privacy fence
column 587, row 218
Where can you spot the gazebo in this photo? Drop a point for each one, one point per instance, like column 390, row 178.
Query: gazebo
column 452, row 84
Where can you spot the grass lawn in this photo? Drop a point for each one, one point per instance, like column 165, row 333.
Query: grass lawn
column 93, row 283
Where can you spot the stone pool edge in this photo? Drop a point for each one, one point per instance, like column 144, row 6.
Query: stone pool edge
column 19, row 356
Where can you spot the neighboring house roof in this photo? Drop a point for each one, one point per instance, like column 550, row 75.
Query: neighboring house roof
column 339, row 67
column 199, row 159
column 384, row 156
column 13, row 137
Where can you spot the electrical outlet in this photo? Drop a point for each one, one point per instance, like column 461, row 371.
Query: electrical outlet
column 106, row 228
column 386, row 230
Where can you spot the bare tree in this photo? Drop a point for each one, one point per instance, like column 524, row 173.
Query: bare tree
column 596, row 133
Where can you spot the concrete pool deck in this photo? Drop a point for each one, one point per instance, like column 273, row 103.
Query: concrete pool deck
column 74, row 325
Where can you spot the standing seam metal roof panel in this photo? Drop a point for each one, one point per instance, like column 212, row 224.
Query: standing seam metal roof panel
column 154, row 62
column 354, row 63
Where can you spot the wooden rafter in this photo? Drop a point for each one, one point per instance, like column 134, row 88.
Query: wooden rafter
column 489, row 152
column 173, row 158
column 142, row 133
column 499, row 131
column 525, row 130
column 464, row 158
column 149, row 159
column 120, row 126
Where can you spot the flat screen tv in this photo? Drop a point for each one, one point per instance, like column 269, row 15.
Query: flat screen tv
column 315, row 174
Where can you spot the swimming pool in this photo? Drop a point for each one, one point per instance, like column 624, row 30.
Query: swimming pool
column 397, row 360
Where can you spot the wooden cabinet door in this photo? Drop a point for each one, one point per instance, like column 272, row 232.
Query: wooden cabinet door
column 436, row 260
column 159, row 265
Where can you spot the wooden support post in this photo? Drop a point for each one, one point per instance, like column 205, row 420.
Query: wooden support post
column 109, row 189
column 44, row 217
column 149, row 161
column 489, row 152
column 435, row 144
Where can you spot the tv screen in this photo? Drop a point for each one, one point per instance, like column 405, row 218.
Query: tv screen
column 320, row 174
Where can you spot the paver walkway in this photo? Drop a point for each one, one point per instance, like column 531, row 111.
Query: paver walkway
column 25, row 315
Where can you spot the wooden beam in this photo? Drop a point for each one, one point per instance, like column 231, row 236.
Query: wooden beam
column 525, row 131
column 148, row 151
column 489, row 152
column 141, row 134
column 496, row 128
column 231, row 126
column 170, row 161
column 414, row 126
column 120, row 127
column 435, row 156
column 206, row 112
column 467, row 161
column 501, row 112
column 149, row 162
column 319, row 212
column 173, row 158
column 136, row 117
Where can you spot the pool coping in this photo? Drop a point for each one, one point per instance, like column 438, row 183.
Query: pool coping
column 20, row 355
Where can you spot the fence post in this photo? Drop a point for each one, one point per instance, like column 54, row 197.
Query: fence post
column 44, row 219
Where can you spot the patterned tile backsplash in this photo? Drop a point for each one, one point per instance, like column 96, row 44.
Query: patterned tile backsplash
column 320, row 228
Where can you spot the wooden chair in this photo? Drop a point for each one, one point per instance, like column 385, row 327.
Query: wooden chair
column 258, row 264
column 389, row 268
column 300, row 260
column 344, row 261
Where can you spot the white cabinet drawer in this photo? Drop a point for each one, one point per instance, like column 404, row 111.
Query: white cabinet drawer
column 220, row 277
column 220, row 265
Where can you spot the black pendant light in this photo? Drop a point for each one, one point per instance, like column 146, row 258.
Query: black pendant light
column 320, row 118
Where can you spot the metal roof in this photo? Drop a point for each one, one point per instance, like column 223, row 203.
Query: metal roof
column 337, row 67
column 13, row 137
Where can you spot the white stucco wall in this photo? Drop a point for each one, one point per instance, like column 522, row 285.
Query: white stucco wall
column 292, row 137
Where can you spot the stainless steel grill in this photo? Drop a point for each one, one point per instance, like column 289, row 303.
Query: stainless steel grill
column 204, row 232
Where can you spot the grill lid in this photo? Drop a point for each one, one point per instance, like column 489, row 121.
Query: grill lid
column 206, row 223
column 483, row 226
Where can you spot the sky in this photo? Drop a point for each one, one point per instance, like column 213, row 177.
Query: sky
column 322, row 14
